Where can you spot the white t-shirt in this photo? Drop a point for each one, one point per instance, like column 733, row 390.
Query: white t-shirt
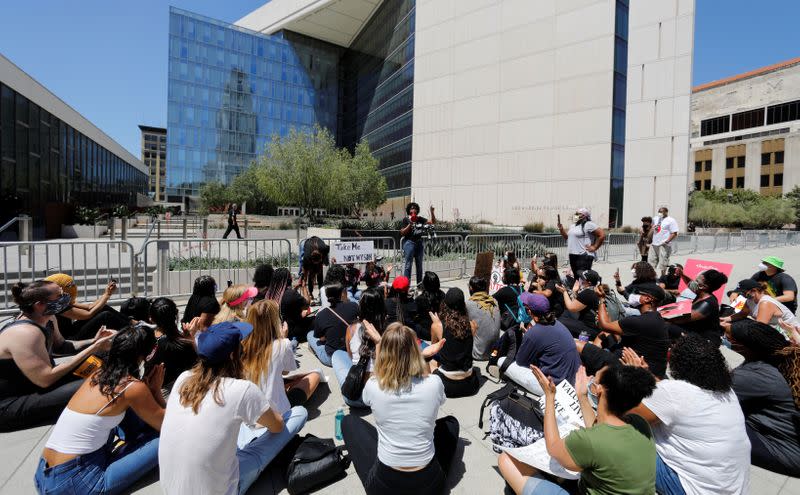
column 579, row 237
column 663, row 229
column 272, row 382
column 405, row 421
column 702, row 437
column 197, row 452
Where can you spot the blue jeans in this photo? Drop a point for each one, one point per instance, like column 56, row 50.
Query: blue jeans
column 104, row 471
column 257, row 447
column 667, row 480
column 536, row 485
column 318, row 348
column 341, row 363
column 413, row 251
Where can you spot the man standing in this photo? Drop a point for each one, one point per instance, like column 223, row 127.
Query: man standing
column 665, row 231
column 233, row 223
column 411, row 230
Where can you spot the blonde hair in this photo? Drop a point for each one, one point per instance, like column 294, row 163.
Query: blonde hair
column 399, row 359
column 227, row 313
column 205, row 379
column 257, row 347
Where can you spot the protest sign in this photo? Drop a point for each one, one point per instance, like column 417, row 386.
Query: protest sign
column 483, row 265
column 353, row 252
column 496, row 280
column 694, row 267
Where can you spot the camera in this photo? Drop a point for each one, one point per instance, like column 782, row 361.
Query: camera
column 426, row 230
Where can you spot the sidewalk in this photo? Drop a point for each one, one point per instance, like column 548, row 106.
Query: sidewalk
column 475, row 466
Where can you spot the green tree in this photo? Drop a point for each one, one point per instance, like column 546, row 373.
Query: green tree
column 739, row 208
column 367, row 188
column 793, row 197
column 214, row 195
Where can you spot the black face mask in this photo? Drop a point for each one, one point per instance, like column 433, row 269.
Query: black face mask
column 57, row 306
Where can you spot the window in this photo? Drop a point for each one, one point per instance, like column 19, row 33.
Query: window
column 765, row 180
column 698, row 166
column 698, row 185
column 777, row 180
column 716, row 125
column 784, row 112
column 729, row 162
column 708, row 165
column 740, row 162
column 728, row 182
column 778, row 157
column 766, row 158
column 708, row 184
column 740, row 183
column 748, row 119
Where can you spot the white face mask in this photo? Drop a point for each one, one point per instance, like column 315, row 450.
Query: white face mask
column 633, row 300
column 762, row 267
column 633, row 272
column 577, row 218
column 660, row 215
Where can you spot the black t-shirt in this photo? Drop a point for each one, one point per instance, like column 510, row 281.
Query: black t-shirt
column 556, row 298
column 292, row 306
column 588, row 298
column 777, row 284
column 374, row 277
column 178, row 355
column 708, row 326
column 231, row 216
column 328, row 325
column 506, row 298
column 198, row 305
column 404, row 311
column 648, row 336
column 670, row 282
column 416, row 232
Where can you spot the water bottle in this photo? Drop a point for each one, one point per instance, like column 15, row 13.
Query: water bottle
column 338, row 423
column 584, row 336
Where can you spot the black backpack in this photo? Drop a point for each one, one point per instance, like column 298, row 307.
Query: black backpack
column 515, row 418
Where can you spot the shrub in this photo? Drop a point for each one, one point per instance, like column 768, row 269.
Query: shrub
column 739, row 208
column 533, row 228
column 86, row 216
column 121, row 211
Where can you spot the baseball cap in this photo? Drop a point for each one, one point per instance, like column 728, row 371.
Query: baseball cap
column 591, row 276
column 774, row 261
column 215, row 345
column 537, row 303
column 401, row 283
column 650, row 289
column 746, row 285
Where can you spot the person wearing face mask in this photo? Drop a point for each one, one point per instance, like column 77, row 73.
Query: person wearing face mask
column 647, row 334
column 33, row 389
column 704, row 318
column 173, row 348
column 780, row 284
column 665, row 231
column 582, row 305
column 584, row 238
column 645, row 237
column 115, row 401
column 411, row 231
column 761, row 307
column 642, row 273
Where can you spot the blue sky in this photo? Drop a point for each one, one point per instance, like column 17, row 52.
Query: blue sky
column 108, row 58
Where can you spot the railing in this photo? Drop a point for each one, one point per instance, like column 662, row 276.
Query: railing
column 169, row 266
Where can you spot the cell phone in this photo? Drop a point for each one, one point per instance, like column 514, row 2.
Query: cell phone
column 230, row 283
column 559, row 217
column 112, row 281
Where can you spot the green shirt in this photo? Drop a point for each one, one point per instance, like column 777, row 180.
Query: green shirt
column 614, row 460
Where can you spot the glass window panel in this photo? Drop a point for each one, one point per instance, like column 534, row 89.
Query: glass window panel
column 777, row 180
column 765, row 180
column 766, row 158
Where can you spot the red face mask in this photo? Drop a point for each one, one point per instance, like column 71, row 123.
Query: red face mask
column 413, row 216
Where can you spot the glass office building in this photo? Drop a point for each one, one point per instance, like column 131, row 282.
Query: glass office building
column 232, row 89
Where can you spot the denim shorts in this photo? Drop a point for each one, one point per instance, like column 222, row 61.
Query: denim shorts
column 667, row 480
column 541, row 486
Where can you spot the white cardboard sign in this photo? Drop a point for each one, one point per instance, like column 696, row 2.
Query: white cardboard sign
column 353, row 252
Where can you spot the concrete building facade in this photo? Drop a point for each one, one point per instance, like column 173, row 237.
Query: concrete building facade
column 154, row 157
column 746, row 131
column 512, row 111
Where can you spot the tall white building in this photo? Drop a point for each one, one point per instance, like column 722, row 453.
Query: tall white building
column 511, row 111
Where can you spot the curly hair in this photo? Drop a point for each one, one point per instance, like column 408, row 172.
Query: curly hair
column 454, row 314
column 695, row 360
column 625, row 387
column 644, row 272
column 714, row 279
column 128, row 347
column 204, row 285
column 337, row 274
column 263, row 275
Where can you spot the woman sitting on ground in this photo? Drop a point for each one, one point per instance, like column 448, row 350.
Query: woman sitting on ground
column 330, row 325
column 295, row 308
column 455, row 359
column 482, row 309
column 33, row 389
column 174, row 349
column 267, row 356
column 203, row 302
column 547, row 278
column 429, row 301
column 409, row 451
column 643, row 273
column 767, row 385
column 234, row 303
column 704, row 318
column 336, row 275
column 80, row 321
column 261, row 280
column 614, row 452
column 698, row 424
column 80, row 456
column 546, row 344
column 763, row 308
column 400, row 306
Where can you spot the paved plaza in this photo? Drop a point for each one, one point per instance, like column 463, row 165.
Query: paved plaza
column 475, row 466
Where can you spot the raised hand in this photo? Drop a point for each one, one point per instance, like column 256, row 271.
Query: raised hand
column 545, row 382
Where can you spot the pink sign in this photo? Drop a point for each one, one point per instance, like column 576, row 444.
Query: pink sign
column 692, row 268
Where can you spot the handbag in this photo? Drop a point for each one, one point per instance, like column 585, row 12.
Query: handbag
column 318, row 462
column 354, row 383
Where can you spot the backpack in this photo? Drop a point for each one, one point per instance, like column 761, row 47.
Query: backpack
column 616, row 311
column 521, row 315
column 515, row 418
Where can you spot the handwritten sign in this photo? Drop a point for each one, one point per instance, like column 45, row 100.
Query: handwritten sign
column 496, row 280
column 353, row 252
column 568, row 408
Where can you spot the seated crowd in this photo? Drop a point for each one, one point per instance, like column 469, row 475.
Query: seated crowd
column 213, row 395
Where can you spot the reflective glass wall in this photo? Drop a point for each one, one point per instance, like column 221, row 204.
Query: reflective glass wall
column 44, row 161
column 231, row 89
column 377, row 88
column 617, row 190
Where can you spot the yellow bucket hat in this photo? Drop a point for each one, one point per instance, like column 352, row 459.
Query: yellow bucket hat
column 66, row 283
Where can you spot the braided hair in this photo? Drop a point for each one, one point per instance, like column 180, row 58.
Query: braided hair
column 764, row 343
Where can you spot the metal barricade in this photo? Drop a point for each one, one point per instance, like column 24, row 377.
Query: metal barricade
column 91, row 263
column 168, row 267
column 704, row 243
column 620, row 247
column 444, row 254
column 538, row 244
